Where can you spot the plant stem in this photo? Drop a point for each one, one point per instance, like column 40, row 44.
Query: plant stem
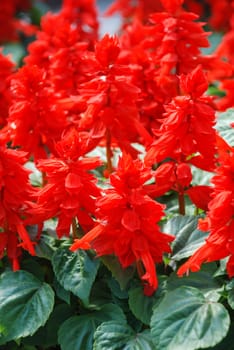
column 74, row 228
column 140, row 268
column 108, row 152
column 181, row 202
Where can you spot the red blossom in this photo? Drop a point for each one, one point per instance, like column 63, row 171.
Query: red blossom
column 110, row 97
column 6, row 69
column 176, row 40
column 187, row 132
column 171, row 176
column 70, row 191
column 138, row 10
column 127, row 223
column 15, row 204
column 221, row 12
column 35, row 120
column 219, row 221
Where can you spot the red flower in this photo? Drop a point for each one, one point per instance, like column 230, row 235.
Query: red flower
column 71, row 189
column 171, row 176
column 172, row 6
column 83, row 15
column 36, row 119
column 6, row 69
column 219, row 220
column 221, row 12
column 110, row 97
column 131, row 11
column 187, row 132
column 15, row 204
column 176, row 40
column 127, row 223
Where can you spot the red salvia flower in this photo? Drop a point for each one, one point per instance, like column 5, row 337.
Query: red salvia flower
column 62, row 34
column 131, row 11
column 70, row 191
column 6, row 69
column 83, row 15
column 221, row 12
column 110, row 97
column 15, row 204
column 187, row 132
column 35, row 120
column 127, row 223
column 225, row 52
column 171, row 176
column 176, row 39
column 219, row 221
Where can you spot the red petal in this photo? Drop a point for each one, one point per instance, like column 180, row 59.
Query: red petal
column 130, row 220
column 72, row 181
column 200, row 196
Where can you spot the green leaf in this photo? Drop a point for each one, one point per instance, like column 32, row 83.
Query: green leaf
column 140, row 341
column 114, row 335
column 34, row 267
column 46, row 246
column 47, row 336
column 141, row 305
column 202, row 280
column 223, row 126
column 201, row 177
column 61, row 293
column 25, row 305
column 214, row 40
column 76, row 272
column 185, row 319
column 123, row 276
column 35, row 176
column 15, row 50
column 188, row 238
column 77, row 332
column 230, row 296
column 116, row 291
column 227, row 342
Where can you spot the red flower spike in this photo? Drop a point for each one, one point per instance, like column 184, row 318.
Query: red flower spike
column 15, row 204
column 187, row 131
column 219, row 220
column 173, row 47
column 221, row 12
column 194, row 84
column 137, row 10
column 107, row 50
column 6, row 69
column 110, row 96
column 172, row 6
column 70, row 191
column 36, row 119
column 82, row 14
column 127, row 223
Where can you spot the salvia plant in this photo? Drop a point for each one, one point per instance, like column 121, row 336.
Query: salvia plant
column 117, row 175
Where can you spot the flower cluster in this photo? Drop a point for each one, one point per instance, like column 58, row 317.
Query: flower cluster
column 127, row 223
column 76, row 93
column 219, row 221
